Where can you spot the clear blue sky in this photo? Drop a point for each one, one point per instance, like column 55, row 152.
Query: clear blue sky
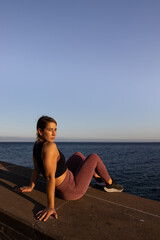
column 93, row 65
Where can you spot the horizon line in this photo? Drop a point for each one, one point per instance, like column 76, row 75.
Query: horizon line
column 30, row 139
column 90, row 141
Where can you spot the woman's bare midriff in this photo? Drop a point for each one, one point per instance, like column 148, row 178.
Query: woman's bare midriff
column 61, row 178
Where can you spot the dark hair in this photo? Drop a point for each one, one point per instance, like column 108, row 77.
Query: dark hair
column 43, row 121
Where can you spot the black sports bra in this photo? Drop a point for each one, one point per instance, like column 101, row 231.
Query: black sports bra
column 61, row 166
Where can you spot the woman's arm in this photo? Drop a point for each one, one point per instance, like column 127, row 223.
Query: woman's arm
column 35, row 174
column 49, row 156
column 33, row 180
column 50, row 165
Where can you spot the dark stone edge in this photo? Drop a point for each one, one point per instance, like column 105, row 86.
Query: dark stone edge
column 11, row 228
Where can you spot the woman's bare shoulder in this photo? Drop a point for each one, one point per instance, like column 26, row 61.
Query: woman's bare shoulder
column 50, row 146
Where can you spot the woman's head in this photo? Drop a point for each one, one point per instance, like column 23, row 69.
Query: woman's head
column 46, row 128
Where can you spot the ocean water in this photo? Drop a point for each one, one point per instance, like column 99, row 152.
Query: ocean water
column 134, row 165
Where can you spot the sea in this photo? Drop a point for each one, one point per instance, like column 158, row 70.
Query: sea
column 134, row 165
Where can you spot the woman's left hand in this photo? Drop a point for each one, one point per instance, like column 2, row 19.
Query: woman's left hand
column 44, row 214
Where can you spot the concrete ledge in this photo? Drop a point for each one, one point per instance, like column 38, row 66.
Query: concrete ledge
column 98, row 215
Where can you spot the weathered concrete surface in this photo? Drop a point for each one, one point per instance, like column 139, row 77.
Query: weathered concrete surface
column 98, row 215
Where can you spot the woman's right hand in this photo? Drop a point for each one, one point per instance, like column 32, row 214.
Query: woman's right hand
column 23, row 189
column 44, row 214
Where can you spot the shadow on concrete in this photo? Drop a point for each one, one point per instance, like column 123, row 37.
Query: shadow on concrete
column 21, row 181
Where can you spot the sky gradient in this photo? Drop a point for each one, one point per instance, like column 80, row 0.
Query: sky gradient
column 92, row 65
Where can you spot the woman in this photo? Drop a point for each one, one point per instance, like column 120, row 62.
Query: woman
column 70, row 179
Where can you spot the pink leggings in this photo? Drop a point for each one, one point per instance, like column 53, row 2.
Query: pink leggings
column 79, row 175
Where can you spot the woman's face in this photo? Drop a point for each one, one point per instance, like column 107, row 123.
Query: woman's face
column 49, row 132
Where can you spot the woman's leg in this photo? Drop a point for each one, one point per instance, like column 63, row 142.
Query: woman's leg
column 83, row 175
column 75, row 185
column 92, row 164
column 75, row 162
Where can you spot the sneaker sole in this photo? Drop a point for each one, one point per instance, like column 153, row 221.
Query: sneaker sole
column 113, row 190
